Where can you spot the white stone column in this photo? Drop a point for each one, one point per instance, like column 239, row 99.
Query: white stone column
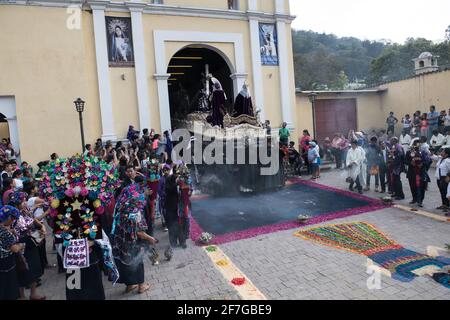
column 279, row 7
column 140, row 67
column 283, row 64
column 104, row 87
column 163, row 98
column 286, row 105
column 258, row 92
column 252, row 5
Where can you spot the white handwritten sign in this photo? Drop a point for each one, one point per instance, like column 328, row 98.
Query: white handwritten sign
column 76, row 255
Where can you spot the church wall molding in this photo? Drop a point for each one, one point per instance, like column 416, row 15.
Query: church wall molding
column 160, row 9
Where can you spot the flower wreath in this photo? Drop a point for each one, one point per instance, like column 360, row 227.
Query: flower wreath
column 78, row 190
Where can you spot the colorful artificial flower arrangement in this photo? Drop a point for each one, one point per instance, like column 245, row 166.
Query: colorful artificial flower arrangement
column 153, row 170
column 303, row 218
column 206, row 238
column 78, row 189
column 387, row 199
column 131, row 200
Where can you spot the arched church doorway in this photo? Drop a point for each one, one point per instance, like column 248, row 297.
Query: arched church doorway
column 188, row 83
column 8, row 114
column 4, row 128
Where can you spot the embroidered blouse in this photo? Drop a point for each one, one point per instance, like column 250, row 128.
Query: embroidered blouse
column 7, row 239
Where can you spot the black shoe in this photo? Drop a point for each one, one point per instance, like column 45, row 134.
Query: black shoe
column 360, row 191
column 351, row 189
column 399, row 198
column 413, row 202
column 184, row 246
column 420, row 205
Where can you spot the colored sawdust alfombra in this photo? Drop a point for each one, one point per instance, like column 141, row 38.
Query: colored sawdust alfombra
column 365, row 239
column 236, row 218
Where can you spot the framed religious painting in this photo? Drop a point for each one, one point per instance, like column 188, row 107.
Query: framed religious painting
column 120, row 42
column 268, row 39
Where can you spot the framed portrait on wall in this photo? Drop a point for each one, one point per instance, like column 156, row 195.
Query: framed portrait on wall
column 120, row 42
column 268, row 39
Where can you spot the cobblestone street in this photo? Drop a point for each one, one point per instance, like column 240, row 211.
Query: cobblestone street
column 283, row 266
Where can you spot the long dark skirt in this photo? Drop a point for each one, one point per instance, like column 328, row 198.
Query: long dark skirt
column 131, row 275
column 9, row 284
column 35, row 269
column 90, row 285
column 43, row 254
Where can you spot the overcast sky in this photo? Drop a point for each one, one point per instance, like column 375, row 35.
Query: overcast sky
column 395, row 20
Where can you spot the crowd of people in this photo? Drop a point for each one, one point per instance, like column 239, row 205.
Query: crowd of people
column 424, row 140
column 152, row 187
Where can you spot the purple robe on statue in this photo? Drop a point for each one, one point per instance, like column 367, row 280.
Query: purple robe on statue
column 243, row 105
column 218, row 107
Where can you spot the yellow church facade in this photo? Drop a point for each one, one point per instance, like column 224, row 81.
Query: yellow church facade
column 126, row 60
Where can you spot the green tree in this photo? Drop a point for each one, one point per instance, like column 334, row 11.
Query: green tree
column 396, row 60
column 319, row 58
column 340, row 83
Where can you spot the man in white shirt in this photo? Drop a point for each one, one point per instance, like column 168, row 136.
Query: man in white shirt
column 447, row 180
column 406, row 123
column 405, row 140
column 446, row 139
column 355, row 158
column 442, row 170
column 437, row 141
column 447, row 122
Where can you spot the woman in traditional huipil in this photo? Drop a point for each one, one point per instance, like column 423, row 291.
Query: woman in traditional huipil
column 129, row 236
column 9, row 284
column 30, row 232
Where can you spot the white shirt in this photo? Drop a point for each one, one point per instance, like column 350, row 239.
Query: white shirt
column 18, row 184
column 442, row 167
column 447, row 121
column 10, row 155
column 437, row 141
column 446, row 140
column 39, row 211
column 358, row 155
column 405, row 142
column 448, row 191
column 384, row 153
column 406, row 123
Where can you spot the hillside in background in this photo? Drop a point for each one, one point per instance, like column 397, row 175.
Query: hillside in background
column 326, row 62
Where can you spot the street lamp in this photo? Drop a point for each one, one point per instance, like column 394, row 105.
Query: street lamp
column 312, row 98
column 79, row 106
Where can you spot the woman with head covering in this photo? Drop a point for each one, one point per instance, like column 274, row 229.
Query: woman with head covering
column 9, row 285
column 30, row 232
column 129, row 236
column 243, row 103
